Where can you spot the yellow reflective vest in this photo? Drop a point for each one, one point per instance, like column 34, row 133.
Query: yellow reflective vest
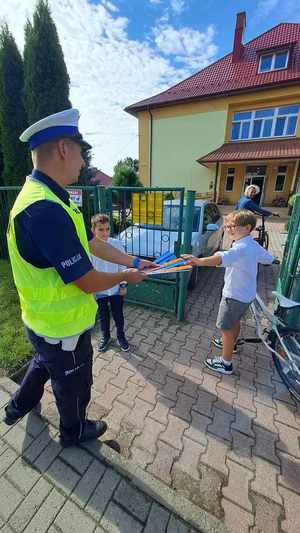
column 49, row 307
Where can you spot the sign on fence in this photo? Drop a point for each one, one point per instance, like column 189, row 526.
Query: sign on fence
column 76, row 196
column 147, row 208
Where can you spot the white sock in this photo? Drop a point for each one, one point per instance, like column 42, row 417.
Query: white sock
column 226, row 363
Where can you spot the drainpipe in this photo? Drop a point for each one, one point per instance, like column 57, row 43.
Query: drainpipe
column 150, row 147
column 216, row 181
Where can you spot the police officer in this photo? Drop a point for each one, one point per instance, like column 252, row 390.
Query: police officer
column 49, row 250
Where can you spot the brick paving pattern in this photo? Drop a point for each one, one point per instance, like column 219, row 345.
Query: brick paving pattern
column 230, row 444
column 44, row 487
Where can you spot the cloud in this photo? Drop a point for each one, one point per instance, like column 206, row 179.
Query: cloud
column 190, row 47
column 110, row 6
column 178, row 6
column 265, row 7
column 108, row 70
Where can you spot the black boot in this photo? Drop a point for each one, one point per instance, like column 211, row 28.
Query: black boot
column 92, row 430
column 12, row 415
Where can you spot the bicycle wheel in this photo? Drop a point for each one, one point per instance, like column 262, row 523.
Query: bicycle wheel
column 266, row 241
column 283, row 365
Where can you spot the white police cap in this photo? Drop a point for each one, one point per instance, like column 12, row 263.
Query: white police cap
column 60, row 125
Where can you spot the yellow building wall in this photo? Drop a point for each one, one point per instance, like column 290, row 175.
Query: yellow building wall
column 178, row 142
column 232, row 196
column 182, row 133
column 144, row 146
column 271, row 173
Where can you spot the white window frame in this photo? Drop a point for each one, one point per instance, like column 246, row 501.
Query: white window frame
column 231, row 174
column 280, row 174
column 263, row 119
column 274, row 54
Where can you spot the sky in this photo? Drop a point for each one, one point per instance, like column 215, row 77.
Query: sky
column 118, row 52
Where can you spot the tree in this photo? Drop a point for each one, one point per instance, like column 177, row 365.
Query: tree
column 128, row 162
column 12, row 113
column 125, row 175
column 46, row 78
column 1, row 167
column 88, row 171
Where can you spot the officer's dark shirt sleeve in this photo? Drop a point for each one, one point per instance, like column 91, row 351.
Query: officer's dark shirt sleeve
column 46, row 237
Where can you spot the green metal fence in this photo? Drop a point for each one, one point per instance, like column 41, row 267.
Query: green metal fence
column 89, row 204
column 289, row 275
column 148, row 221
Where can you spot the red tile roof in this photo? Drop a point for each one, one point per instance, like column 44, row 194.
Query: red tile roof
column 102, row 179
column 253, row 150
column 225, row 77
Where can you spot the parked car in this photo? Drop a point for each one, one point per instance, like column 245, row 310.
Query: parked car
column 151, row 241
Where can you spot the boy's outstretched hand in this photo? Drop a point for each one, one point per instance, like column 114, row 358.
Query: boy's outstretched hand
column 190, row 258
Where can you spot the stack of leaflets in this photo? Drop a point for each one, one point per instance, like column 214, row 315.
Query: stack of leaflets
column 168, row 263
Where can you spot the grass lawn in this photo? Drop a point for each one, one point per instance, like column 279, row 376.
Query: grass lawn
column 14, row 346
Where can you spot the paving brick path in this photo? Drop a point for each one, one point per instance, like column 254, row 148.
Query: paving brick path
column 46, row 488
column 229, row 444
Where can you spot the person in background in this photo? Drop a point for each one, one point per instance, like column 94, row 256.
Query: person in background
column 246, row 202
column 109, row 300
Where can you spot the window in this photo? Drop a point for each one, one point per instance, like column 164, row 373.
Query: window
column 172, row 217
column 275, row 61
column 208, row 217
column 280, row 179
column 216, row 213
column 211, row 215
column 265, row 123
column 229, row 180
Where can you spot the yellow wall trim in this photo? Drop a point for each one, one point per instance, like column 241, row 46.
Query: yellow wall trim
column 266, row 98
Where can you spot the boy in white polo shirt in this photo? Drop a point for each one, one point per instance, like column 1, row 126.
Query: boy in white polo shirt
column 110, row 300
column 241, row 263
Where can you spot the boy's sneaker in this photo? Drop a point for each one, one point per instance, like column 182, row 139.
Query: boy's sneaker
column 217, row 341
column 217, row 364
column 123, row 343
column 103, row 344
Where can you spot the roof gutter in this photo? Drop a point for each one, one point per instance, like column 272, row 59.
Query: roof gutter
column 150, row 147
column 132, row 110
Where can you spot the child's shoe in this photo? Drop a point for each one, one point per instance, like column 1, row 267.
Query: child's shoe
column 217, row 341
column 123, row 343
column 217, row 364
column 103, row 344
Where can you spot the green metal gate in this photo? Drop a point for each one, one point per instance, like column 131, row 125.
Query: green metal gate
column 289, row 275
column 150, row 222
column 90, row 204
column 164, row 216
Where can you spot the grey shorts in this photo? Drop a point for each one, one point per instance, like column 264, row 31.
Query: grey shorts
column 230, row 312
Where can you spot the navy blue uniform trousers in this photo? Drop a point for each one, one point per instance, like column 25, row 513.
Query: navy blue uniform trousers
column 71, row 378
column 116, row 305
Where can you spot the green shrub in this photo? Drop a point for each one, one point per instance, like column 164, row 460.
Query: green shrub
column 14, row 346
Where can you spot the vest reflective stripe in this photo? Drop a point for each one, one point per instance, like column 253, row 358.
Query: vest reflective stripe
column 49, row 307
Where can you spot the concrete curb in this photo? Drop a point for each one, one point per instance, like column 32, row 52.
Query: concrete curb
column 175, row 503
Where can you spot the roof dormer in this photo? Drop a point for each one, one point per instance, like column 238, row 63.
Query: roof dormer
column 273, row 60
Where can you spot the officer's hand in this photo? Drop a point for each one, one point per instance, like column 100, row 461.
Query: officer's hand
column 133, row 275
column 146, row 264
